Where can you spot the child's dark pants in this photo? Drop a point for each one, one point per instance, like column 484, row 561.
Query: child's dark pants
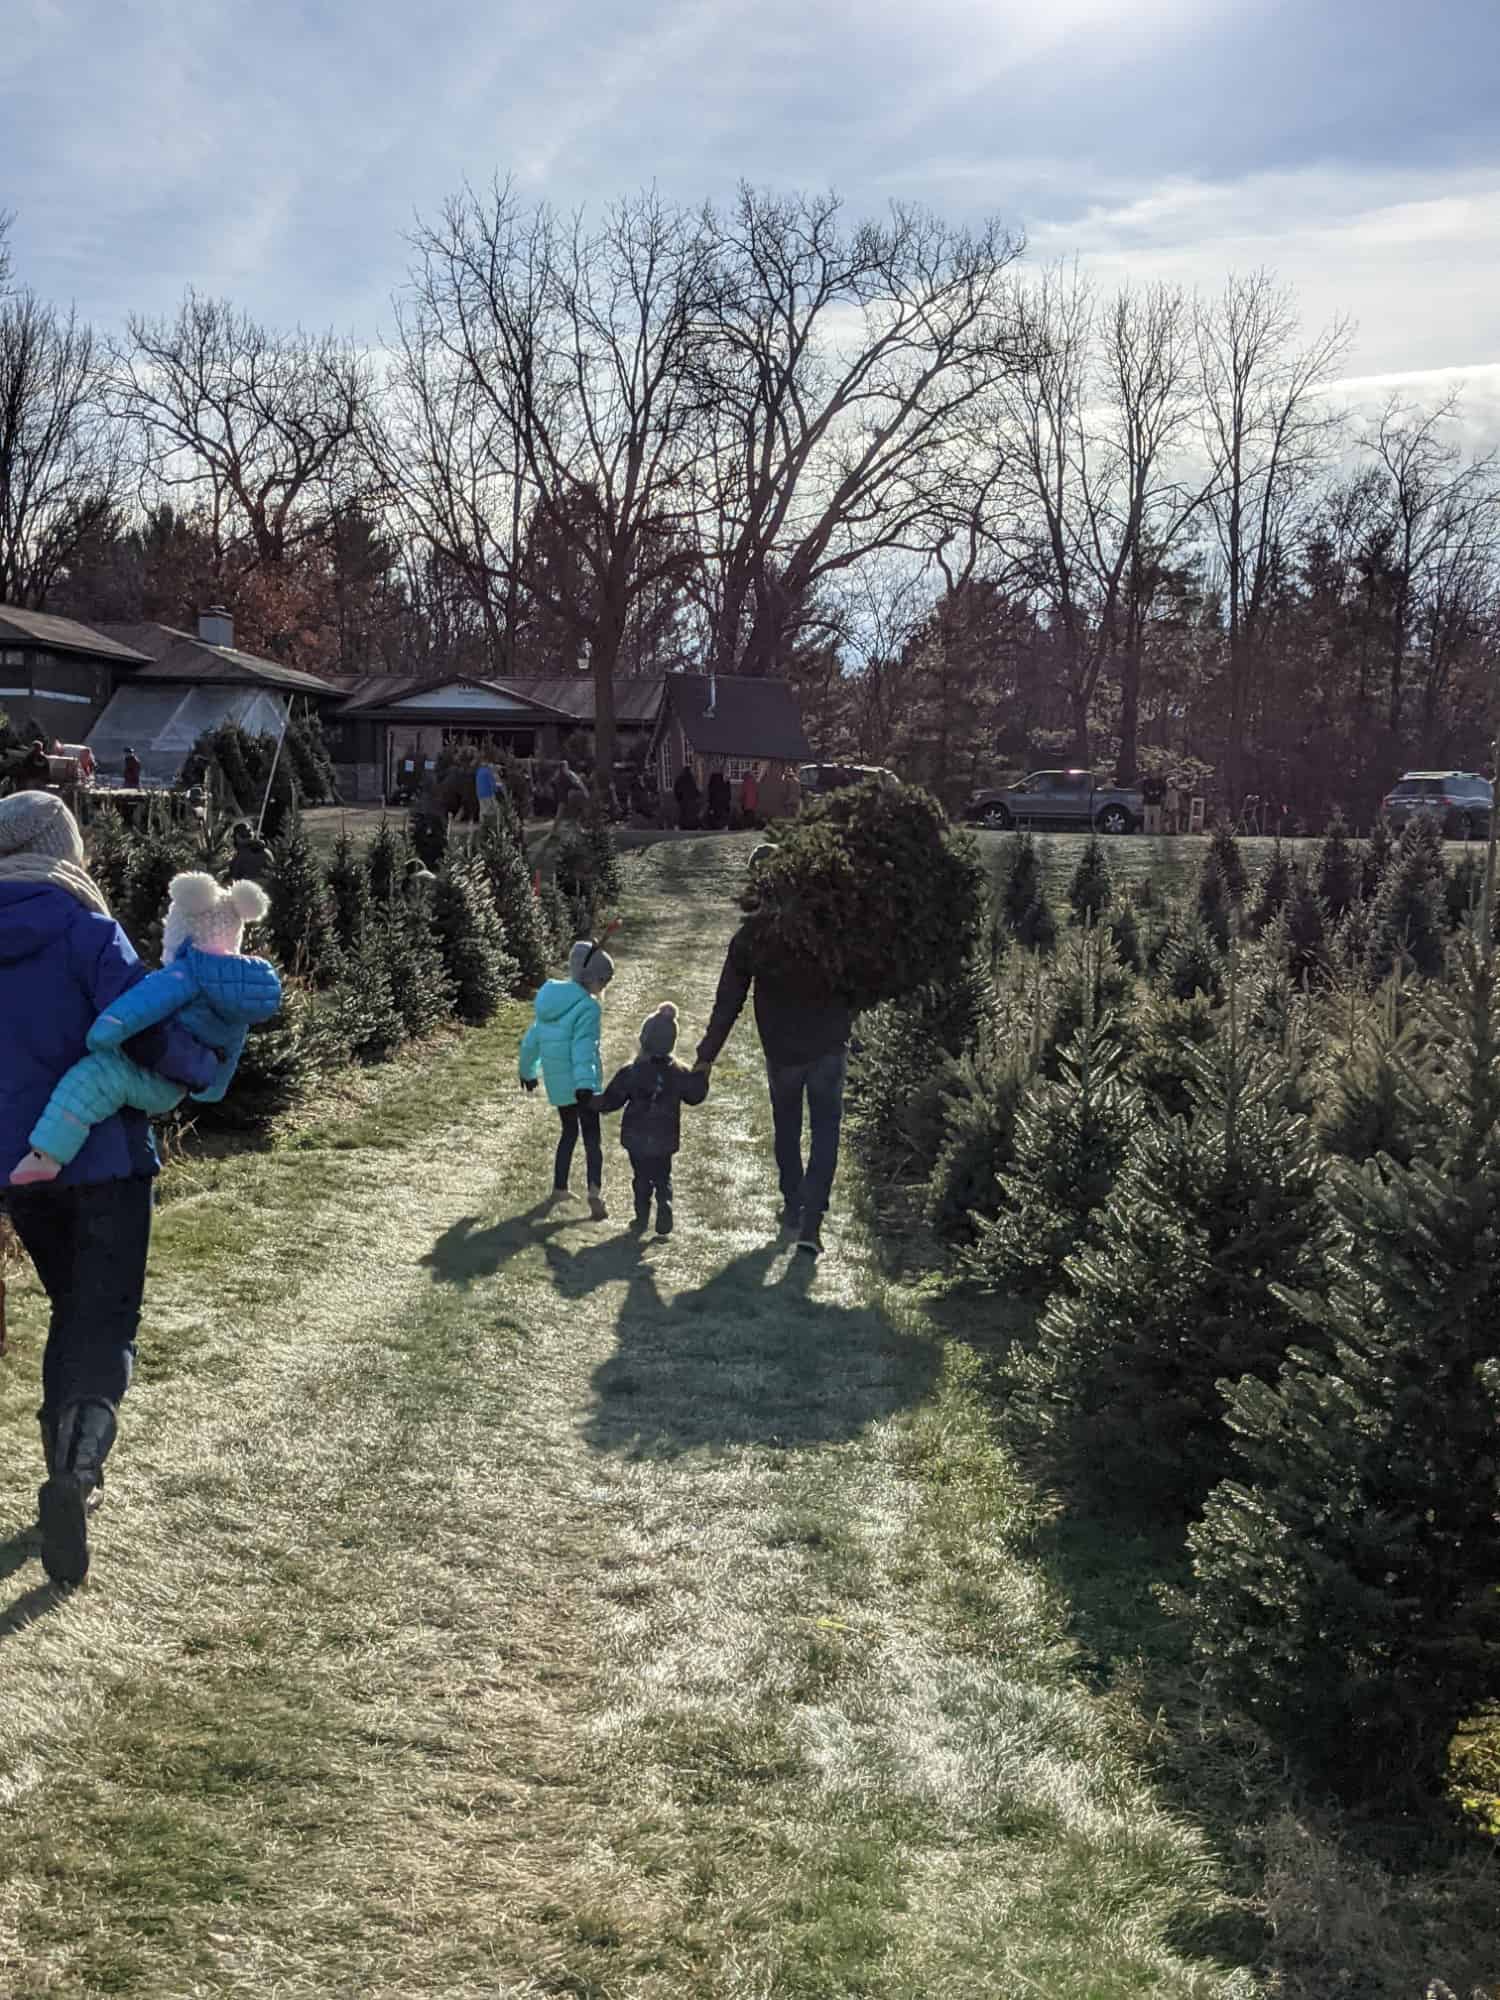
column 578, row 1118
column 652, row 1176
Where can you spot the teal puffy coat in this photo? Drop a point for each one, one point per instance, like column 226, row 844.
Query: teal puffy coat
column 563, row 1042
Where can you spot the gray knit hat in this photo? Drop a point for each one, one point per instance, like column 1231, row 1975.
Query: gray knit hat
column 659, row 1031
column 590, row 965
column 36, row 823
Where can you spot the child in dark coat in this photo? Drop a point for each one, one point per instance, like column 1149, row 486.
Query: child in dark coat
column 651, row 1092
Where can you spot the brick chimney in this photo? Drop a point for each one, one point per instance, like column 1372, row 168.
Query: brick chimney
column 216, row 627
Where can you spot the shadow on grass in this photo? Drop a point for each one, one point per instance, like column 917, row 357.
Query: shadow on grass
column 31, row 1605
column 473, row 1249
column 24, row 1546
column 752, row 1356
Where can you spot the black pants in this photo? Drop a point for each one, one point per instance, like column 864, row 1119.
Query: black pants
column 820, row 1085
column 578, row 1118
column 651, row 1175
column 89, row 1246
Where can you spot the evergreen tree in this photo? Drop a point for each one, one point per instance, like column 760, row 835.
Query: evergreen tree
column 976, row 1141
column 522, row 916
column 429, row 839
column 1090, row 983
column 161, row 852
column 1225, row 850
column 349, row 886
column 1374, row 859
column 301, row 924
column 1336, row 873
column 420, row 986
column 1406, row 926
column 1306, row 931
column 1192, row 961
column 1091, row 890
column 558, row 917
column 1273, row 891
column 607, row 882
column 385, row 859
column 472, row 941
column 111, row 854
column 1379, row 1097
column 1463, row 887
column 362, row 1006
column 1125, row 935
column 1024, row 909
column 1179, row 1288
column 1214, row 903
column 1346, row 1581
column 1070, row 1137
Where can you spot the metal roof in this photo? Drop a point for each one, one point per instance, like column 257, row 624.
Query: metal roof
column 60, row 635
column 183, row 657
column 373, row 693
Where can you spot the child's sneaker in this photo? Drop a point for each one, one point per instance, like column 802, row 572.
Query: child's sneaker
column 664, row 1218
column 597, row 1207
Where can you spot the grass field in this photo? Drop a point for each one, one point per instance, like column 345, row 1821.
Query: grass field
column 495, row 1604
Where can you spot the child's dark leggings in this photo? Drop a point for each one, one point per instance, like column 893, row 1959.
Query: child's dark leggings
column 578, row 1118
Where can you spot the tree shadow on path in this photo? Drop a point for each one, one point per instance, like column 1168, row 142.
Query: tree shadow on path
column 754, row 1356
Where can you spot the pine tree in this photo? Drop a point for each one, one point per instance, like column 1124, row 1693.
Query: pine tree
column 1192, row 961
column 385, row 859
column 156, row 856
column 980, row 1108
column 1089, row 984
column 1273, row 891
column 607, row 881
column 558, row 917
column 1092, row 889
column 1024, row 909
column 1125, row 935
column 1070, row 1137
column 1374, row 859
column 1346, row 1580
column 111, row 853
column 301, row 924
column 349, row 886
column 1463, row 889
column 1336, row 874
column 1406, row 926
column 1379, row 1098
column 472, row 941
column 1215, row 905
column 1225, row 850
column 521, row 914
column 419, row 982
column 1179, row 1288
column 1306, row 931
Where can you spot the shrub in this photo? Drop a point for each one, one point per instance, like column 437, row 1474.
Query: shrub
column 349, row 887
column 420, row 986
column 1406, row 924
column 1192, row 962
column 1336, row 873
column 472, row 942
column 980, row 1101
column 1024, row 911
column 385, row 861
column 1272, row 892
column 1224, row 849
column 111, row 852
column 1168, row 1033
column 1215, row 909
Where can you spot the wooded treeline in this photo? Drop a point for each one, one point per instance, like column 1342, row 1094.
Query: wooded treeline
column 985, row 515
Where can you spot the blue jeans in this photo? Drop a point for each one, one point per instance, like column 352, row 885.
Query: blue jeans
column 821, row 1085
column 89, row 1244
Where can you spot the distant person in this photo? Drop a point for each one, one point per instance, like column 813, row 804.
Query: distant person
column 804, row 1031
column 750, row 797
column 489, row 789
column 131, row 771
column 35, row 774
column 651, row 1092
column 719, row 801
column 250, row 858
column 689, row 799
column 1153, row 793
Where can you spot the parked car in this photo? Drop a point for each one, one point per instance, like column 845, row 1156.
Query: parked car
column 818, row 778
column 1056, row 799
column 1460, row 801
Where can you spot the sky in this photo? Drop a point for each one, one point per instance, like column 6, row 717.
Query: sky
column 278, row 152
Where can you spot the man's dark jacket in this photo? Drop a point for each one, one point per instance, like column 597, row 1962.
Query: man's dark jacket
column 651, row 1091
column 797, row 1017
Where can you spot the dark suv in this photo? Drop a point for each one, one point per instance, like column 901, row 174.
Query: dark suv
column 1460, row 801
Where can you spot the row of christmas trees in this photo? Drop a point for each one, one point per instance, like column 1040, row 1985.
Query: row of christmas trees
column 380, row 948
column 1247, row 1197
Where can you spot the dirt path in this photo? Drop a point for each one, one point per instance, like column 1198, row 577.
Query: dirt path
column 496, row 1606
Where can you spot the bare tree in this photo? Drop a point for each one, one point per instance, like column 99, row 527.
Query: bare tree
column 1268, row 432
column 244, row 421
column 844, row 371
column 7, row 222
column 61, row 457
column 573, row 352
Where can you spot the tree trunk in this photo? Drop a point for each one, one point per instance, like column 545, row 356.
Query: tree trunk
column 1130, row 714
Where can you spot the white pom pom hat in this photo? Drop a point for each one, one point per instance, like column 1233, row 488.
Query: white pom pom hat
column 200, row 913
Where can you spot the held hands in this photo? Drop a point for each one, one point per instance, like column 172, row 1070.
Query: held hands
column 584, row 1098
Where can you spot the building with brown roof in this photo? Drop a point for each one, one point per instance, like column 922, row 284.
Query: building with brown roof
column 57, row 675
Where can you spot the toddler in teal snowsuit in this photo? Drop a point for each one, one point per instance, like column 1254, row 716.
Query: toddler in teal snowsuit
column 563, row 1044
column 205, row 985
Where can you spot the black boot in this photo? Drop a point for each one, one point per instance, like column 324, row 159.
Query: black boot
column 49, row 1452
column 80, row 1445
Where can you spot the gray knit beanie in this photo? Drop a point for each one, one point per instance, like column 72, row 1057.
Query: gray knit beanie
column 36, row 823
column 659, row 1031
column 590, row 965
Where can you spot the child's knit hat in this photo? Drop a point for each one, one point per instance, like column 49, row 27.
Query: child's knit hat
column 659, row 1031
column 200, row 913
column 590, row 965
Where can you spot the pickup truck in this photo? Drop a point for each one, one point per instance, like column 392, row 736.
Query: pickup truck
column 1057, row 799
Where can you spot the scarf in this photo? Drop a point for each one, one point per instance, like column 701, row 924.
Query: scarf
column 78, row 883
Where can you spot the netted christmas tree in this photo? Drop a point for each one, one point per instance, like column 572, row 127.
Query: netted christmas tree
column 301, row 925
column 306, row 748
column 1346, row 1579
column 1208, row 1217
column 1336, row 872
column 869, row 893
column 1092, row 888
column 1407, row 925
column 1024, row 912
column 349, row 886
column 1070, row 1137
column 1272, row 892
column 472, row 941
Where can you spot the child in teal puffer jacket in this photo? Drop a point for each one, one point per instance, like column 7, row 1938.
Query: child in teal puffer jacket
column 563, row 1044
